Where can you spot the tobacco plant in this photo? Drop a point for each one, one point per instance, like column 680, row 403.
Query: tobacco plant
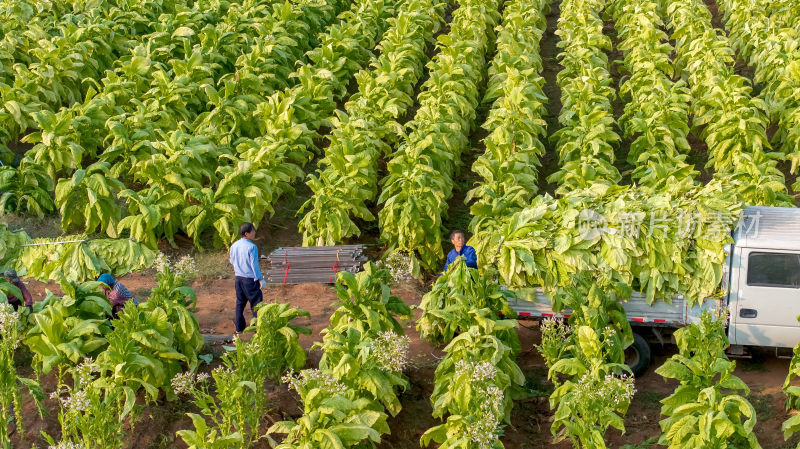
column 592, row 386
column 232, row 411
column 277, row 337
column 87, row 200
column 709, row 408
column 365, row 362
column 26, row 189
column 366, row 302
column 346, row 400
column 157, row 339
column 475, row 384
column 334, row 415
column 447, row 308
column 596, row 394
column 93, row 409
column 151, row 214
column 792, row 392
column 12, row 328
column 67, row 329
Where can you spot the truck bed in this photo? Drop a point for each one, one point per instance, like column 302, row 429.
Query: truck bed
column 534, row 304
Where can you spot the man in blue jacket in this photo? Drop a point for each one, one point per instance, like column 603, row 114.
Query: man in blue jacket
column 461, row 249
column 244, row 258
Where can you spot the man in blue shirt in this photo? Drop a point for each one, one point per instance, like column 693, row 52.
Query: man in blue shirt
column 461, row 249
column 244, row 258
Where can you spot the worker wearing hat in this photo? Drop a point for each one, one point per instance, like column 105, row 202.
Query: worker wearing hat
column 116, row 293
column 14, row 279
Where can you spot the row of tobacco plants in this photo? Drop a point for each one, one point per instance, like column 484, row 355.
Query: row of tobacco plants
column 231, row 400
column 478, row 379
column 346, row 402
column 368, row 128
column 764, row 38
column 585, row 357
column 731, row 119
column 421, row 170
column 664, row 236
column 515, row 123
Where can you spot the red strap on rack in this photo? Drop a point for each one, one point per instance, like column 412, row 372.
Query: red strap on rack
column 288, row 265
column 335, row 269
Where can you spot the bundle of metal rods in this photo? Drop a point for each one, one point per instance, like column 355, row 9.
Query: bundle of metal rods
column 313, row 264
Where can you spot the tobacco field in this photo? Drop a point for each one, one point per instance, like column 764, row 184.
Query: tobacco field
column 136, row 136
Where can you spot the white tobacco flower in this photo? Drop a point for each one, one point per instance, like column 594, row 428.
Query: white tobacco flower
column 484, row 431
column 494, row 398
column 391, row 351
column 613, row 391
column 555, row 329
column 223, row 375
column 221, row 370
column 185, row 268
column 8, row 323
column 483, row 371
column 67, row 445
column 77, row 402
column 477, row 371
column 253, row 348
column 399, row 266
column 161, row 263
column 85, row 371
column 313, row 378
column 183, row 383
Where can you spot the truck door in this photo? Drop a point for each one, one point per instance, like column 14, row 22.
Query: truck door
column 768, row 299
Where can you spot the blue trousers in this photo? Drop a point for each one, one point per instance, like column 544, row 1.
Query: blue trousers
column 247, row 291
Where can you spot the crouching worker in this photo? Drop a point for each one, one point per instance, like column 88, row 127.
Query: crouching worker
column 12, row 277
column 116, row 293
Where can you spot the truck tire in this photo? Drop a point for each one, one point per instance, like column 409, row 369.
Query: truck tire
column 637, row 355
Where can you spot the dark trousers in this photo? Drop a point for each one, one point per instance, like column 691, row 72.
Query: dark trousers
column 247, row 291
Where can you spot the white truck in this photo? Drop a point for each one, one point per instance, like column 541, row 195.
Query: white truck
column 761, row 285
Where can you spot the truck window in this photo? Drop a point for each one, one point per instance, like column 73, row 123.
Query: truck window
column 773, row 270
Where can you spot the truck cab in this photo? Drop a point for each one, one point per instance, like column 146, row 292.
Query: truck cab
column 763, row 287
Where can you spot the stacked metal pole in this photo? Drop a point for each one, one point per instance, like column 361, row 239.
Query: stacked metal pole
column 314, row 264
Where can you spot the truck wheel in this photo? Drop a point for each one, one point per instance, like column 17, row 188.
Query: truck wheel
column 637, row 356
